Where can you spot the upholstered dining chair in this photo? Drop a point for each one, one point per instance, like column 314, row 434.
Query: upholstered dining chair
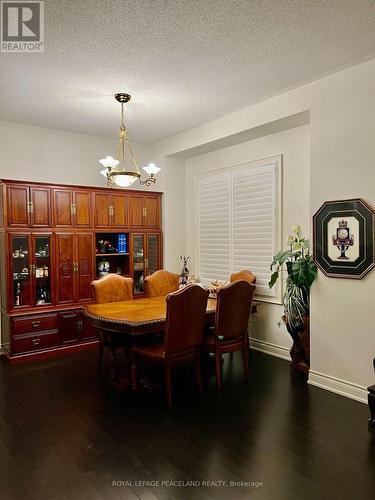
column 243, row 275
column 111, row 288
column 184, row 327
column 161, row 283
column 233, row 308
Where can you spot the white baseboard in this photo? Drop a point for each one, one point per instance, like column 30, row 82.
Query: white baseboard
column 338, row 386
column 327, row 382
column 269, row 348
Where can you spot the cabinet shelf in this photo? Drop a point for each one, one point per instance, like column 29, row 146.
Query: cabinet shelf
column 111, row 254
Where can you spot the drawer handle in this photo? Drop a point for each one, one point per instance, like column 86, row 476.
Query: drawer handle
column 36, row 341
column 35, row 324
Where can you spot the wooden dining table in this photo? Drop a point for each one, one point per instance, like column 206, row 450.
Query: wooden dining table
column 134, row 319
column 128, row 322
column 137, row 316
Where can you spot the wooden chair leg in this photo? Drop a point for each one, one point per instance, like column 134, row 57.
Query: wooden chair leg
column 198, row 372
column 168, row 387
column 218, row 358
column 245, row 357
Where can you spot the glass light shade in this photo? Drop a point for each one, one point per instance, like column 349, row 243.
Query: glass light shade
column 124, row 180
column 108, row 162
column 151, row 169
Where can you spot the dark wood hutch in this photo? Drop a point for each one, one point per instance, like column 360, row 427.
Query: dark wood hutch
column 54, row 240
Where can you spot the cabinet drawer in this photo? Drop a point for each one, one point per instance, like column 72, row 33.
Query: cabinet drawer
column 35, row 323
column 34, row 341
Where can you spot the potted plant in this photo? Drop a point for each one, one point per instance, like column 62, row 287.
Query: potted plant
column 302, row 272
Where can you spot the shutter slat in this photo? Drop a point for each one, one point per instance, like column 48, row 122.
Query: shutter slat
column 214, row 228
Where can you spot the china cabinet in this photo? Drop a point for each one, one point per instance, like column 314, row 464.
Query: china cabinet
column 54, row 240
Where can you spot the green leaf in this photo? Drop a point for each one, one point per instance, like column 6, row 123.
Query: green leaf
column 303, row 272
column 287, row 254
column 289, row 268
column 274, row 278
column 276, row 258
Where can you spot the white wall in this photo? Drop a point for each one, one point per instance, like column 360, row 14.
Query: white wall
column 342, row 165
column 294, row 145
column 47, row 155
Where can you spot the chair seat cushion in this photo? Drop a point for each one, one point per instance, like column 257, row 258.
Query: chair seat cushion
column 153, row 351
column 209, row 342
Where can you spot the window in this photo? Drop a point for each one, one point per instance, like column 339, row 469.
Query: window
column 240, row 222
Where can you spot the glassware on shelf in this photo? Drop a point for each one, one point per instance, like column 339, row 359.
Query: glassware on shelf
column 41, row 296
column 18, row 295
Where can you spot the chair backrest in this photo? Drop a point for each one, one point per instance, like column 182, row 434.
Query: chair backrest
column 233, row 309
column 185, row 319
column 112, row 288
column 161, row 283
column 243, row 275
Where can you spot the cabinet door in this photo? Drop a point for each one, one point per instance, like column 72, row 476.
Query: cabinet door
column 152, row 212
column 82, row 204
column 20, row 293
column 86, row 330
column 18, row 213
column 40, row 198
column 42, row 278
column 69, row 326
column 138, row 261
column 84, row 266
column 136, row 212
column 119, row 209
column 153, row 257
column 62, row 207
column 64, row 265
column 101, row 210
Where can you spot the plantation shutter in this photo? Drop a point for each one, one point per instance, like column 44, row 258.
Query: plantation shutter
column 254, row 223
column 214, row 228
column 239, row 223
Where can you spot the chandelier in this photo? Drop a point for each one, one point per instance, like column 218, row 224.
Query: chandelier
column 119, row 175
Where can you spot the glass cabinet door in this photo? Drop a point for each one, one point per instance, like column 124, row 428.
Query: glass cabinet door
column 21, row 270
column 42, row 270
column 153, row 257
column 138, row 249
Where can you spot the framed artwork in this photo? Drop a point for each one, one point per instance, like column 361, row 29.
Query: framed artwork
column 344, row 238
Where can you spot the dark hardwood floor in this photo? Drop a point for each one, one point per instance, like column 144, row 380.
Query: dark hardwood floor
column 65, row 434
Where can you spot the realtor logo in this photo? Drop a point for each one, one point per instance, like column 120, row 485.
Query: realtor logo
column 22, row 26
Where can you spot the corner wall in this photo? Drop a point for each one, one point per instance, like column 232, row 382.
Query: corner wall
column 342, row 165
column 294, row 145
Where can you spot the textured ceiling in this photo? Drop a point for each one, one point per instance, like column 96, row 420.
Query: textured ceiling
column 185, row 62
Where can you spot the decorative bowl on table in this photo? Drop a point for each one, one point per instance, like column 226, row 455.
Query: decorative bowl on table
column 215, row 286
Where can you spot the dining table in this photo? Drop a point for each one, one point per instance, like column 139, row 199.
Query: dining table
column 136, row 317
column 129, row 322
